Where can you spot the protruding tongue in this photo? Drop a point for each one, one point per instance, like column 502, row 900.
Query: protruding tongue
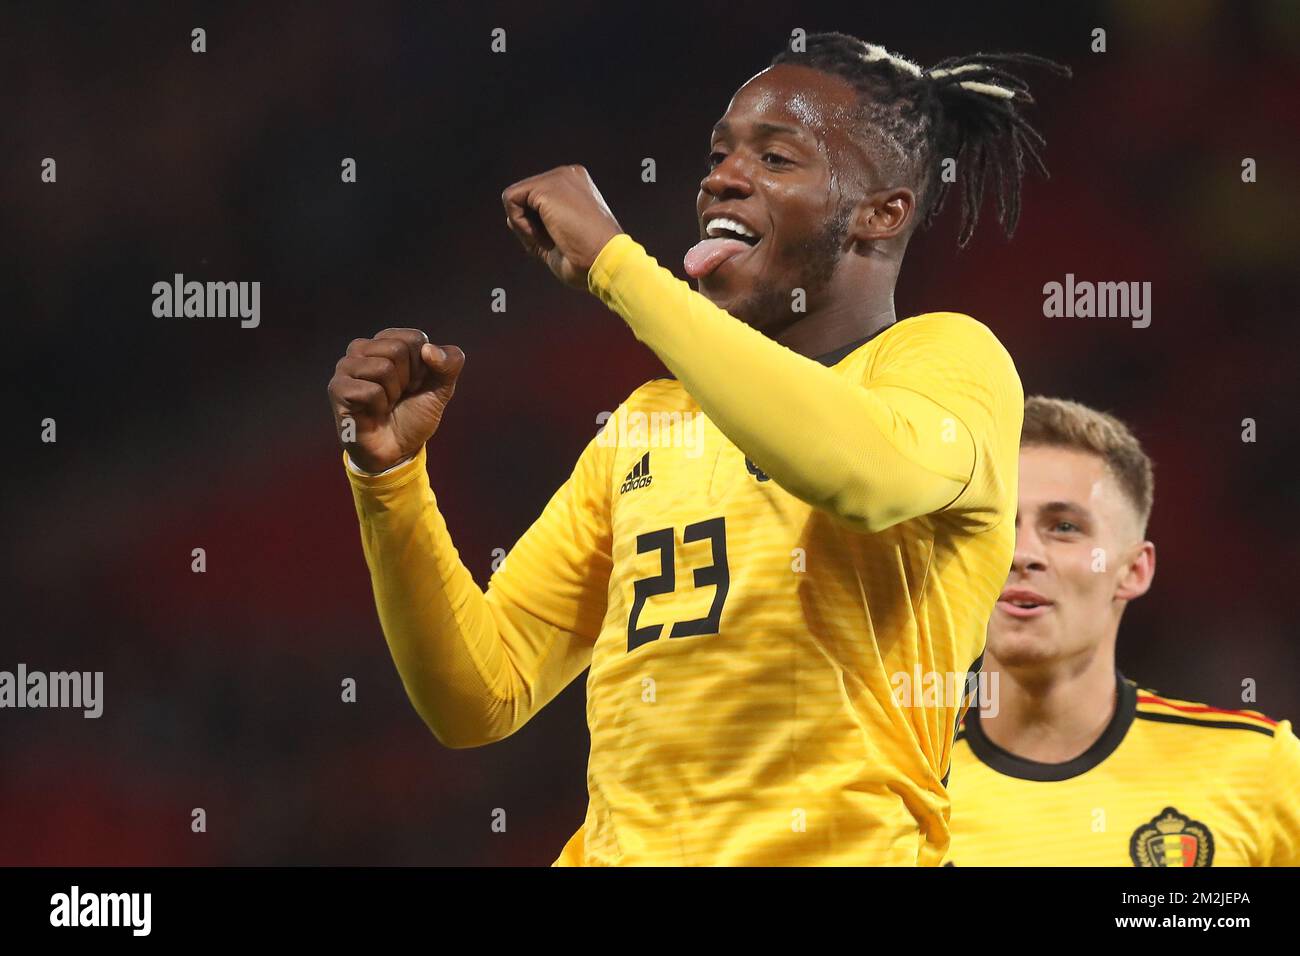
column 703, row 257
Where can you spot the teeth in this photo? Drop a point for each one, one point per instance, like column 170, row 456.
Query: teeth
column 722, row 224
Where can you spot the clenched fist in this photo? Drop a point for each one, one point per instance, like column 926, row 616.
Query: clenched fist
column 388, row 394
column 561, row 217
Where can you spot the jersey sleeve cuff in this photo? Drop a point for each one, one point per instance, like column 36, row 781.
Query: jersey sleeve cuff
column 615, row 255
column 400, row 474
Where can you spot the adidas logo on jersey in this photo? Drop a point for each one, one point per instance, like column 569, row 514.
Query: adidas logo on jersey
column 638, row 477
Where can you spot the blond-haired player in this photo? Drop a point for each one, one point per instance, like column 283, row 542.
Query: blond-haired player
column 1070, row 763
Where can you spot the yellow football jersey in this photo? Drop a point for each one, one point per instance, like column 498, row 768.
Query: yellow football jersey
column 1169, row 783
column 744, row 646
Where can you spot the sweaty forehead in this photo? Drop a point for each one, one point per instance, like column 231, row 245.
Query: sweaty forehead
column 800, row 96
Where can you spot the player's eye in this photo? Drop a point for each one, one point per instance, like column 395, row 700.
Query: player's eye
column 716, row 157
column 777, row 157
column 1067, row 526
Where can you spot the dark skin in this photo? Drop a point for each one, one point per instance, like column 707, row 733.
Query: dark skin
column 827, row 224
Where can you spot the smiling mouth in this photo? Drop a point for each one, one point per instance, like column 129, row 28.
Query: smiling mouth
column 724, row 227
column 1022, row 609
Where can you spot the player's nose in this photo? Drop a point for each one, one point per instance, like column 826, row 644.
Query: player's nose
column 1029, row 554
column 1027, row 558
column 728, row 178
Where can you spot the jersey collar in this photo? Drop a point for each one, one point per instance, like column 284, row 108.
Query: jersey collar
column 1008, row 764
column 833, row 357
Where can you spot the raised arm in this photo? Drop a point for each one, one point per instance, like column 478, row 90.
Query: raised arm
column 933, row 428
column 475, row 665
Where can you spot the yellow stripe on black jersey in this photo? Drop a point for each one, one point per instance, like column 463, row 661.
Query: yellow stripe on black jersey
column 1170, row 783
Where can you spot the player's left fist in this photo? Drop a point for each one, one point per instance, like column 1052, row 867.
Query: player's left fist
column 561, row 217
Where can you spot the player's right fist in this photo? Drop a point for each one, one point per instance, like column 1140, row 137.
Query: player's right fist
column 388, row 394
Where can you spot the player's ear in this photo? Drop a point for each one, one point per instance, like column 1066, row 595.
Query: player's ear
column 1140, row 573
column 883, row 215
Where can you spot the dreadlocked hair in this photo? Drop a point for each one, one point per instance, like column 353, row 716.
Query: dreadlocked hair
column 967, row 108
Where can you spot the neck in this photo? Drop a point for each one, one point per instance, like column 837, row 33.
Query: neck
column 1052, row 715
column 856, row 303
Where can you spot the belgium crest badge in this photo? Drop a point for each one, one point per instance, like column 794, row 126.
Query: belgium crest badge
column 1172, row 839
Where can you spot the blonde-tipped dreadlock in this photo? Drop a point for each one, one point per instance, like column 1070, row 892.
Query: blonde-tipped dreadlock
column 966, row 108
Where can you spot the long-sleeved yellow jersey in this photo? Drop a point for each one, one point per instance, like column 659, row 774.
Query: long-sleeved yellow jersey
column 777, row 570
column 1169, row 783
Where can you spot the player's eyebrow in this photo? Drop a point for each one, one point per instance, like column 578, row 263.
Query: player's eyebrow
column 1065, row 507
column 763, row 129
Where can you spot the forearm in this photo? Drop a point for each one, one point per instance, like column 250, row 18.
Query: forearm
column 870, row 457
column 472, row 666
